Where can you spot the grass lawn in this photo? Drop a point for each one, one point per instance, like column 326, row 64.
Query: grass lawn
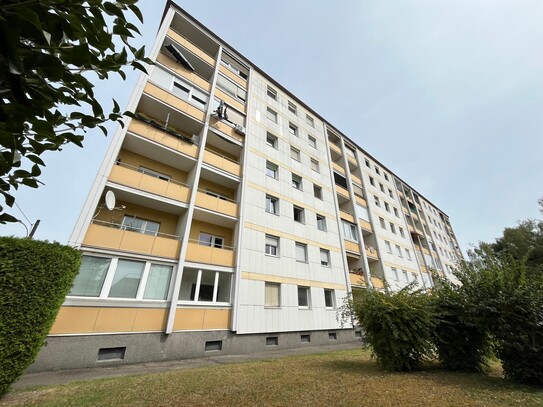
column 346, row 378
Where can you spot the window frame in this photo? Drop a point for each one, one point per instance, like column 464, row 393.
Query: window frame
column 273, row 113
column 323, row 219
column 295, row 154
column 328, row 262
column 302, row 246
column 297, row 182
column 276, row 239
column 307, row 297
column 274, row 201
column 272, row 304
column 271, row 92
column 272, row 170
column 274, row 138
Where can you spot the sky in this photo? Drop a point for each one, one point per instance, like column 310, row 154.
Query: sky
column 447, row 94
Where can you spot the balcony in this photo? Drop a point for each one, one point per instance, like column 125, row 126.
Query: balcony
column 357, row 279
column 191, row 47
column 364, row 224
column 220, row 256
column 226, row 129
column 342, row 191
column 174, row 101
column 129, row 175
column 230, row 100
column 222, row 205
column 222, row 162
column 361, row 201
column 355, row 179
column 153, row 134
column 352, row 161
column 335, row 149
column 352, row 246
column 345, row 215
column 178, row 69
column 338, row 168
column 236, row 78
column 371, row 253
column 109, row 235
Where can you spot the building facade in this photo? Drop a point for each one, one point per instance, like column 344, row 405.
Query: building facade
column 230, row 217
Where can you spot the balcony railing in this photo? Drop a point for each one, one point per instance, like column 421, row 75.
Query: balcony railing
column 371, row 252
column 342, row 191
column 338, row 168
column 131, row 176
column 201, row 253
column 161, row 137
column 346, row 215
column 217, row 204
column 222, row 162
column 174, row 35
column 351, row 246
column 115, row 236
column 191, row 76
column 172, row 100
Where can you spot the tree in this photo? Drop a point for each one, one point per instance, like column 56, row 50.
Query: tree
column 48, row 51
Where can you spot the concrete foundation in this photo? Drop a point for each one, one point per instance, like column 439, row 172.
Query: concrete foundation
column 81, row 351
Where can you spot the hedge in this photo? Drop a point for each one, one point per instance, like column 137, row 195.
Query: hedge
column 35, row 276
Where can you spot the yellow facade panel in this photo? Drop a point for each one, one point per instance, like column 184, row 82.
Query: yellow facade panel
column 115, row 320
column 150, row 319
column 73, row 320
column 216, row 319
column 188, row 319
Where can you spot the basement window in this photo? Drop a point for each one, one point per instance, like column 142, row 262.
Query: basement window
column 111, row 353
column 213, row 346
column 272, row 341
column 306, row 338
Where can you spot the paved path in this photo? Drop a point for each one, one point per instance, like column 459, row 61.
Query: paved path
column 75, row 375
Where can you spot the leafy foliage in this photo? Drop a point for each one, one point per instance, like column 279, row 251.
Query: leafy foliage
column 398, row 326
column 35, row 276
column 49, row 48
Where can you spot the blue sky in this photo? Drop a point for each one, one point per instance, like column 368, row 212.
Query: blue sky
column 447, row 94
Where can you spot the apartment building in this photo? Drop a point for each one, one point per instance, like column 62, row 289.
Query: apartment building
column 230, row 217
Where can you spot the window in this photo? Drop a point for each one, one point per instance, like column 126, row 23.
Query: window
column 396, row 212
column 297, row 182
column 231, row 88
column 310, row 120
column 329, row 298
column 272, row 245
column 303, row 297
column 272, row 115
column 387, row 207
column 312, row 141
column 376, row 200
column 392, row 227
column 382, row 222
column 372, row 182
column 407, row 254
column 271, row 170
column 298, row 214
column 126, row 279
column 395, row 272
column 315, row 165
column 272, row 204
column 321, row 222
column 206, row 239
column 272, row 93
column 405, row 276
column 293, row 130
column 390, row 193
column 349, row 231
column 272, row 295
column 399, row 251
column 317, row 191
column 385, row 175
column 377, row 170
column 402, row 233
column 388, row 246
column 367, row 162
column 205, row 286
column 325, row 257
column 292, row 107
column 144, row 226
column 301, row 252
column 294, row 153
column 271, row 140
column 382, row 188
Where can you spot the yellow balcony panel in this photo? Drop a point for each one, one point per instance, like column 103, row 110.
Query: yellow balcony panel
column 110, row 236
column 185, row 73
column 352, row 159
column 216, row 204
column 405, row 210
column 346, row 216
column 335, row 148
column 371, row 252
column 342, row 191
column 224, row 128
column 129, row 176
column 230, row 100
column 352, row 246
column 418, row 231
column 361, row 201
column 338, row 168
column 201, row 318
column 411, row 228
column 236, row 78
column 356, row 180
column 210, row 255
column 222, row 162
column 357, row 280
column 163, row 138
column 364, row 224
column 377, row 283
column 423, row 268
column 174, row 101
column 191, row 47
column 426, row 251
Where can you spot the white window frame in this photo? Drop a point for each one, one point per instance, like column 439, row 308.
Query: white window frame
column 272, row 304
column 295, row 154
column 323, row 223
column 268, row 244
column 271, row 115
column 312, row 141
column 332, row 297
column 274, row 202
column 326, row 262
column 274, row 143
column 272, row 170
column 297, row 246
column 297, row 182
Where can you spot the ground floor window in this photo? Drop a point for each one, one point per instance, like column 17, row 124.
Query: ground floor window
column 205, row 286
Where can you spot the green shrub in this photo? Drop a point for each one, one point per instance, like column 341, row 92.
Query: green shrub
column 35, row 276
column 398, row 326
column 461, row 343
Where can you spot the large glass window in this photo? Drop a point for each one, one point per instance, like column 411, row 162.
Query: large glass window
column 303, row 297
column 272, row 294
column 349, row 231
column 126, row 279
column 158, row 282
column 205, row 286
column 92, row 274
column 206, row 239
column 144, row 226
column 329, row 298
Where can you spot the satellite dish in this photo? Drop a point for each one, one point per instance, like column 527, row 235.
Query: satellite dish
column 110, row 200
